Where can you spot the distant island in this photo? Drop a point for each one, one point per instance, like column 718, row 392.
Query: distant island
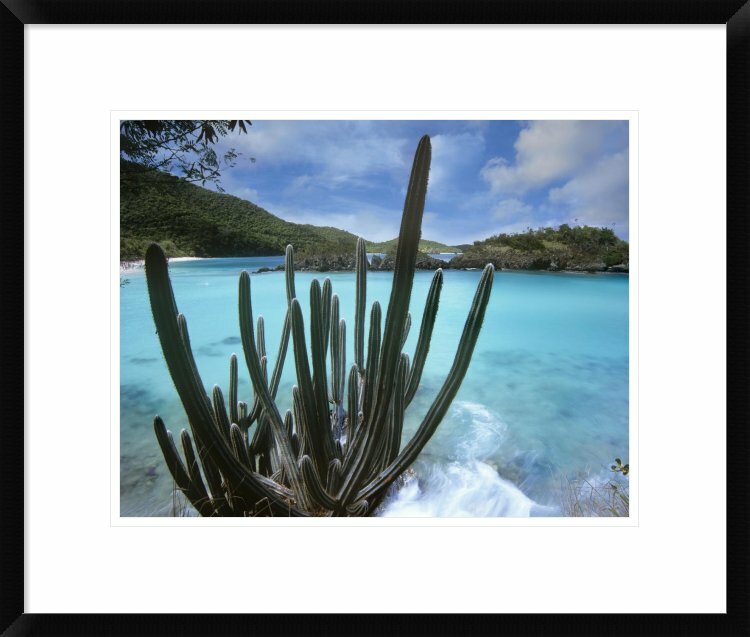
column 190, row 221
column 425, row 245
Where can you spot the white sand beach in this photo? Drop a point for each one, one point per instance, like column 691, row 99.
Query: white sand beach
column 127, row 266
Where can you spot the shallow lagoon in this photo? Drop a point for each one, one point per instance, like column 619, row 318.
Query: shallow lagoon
column 546, row 395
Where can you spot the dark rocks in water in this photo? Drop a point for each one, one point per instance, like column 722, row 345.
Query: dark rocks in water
column 551, row 261
column 622, row 267
column 597, row 266
column 346, row 262
column 325, row 262
column 262, row 270
column 424, row 262
column 509, row 260
column 231, row 340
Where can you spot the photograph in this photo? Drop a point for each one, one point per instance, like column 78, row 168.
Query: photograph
column 394, row 318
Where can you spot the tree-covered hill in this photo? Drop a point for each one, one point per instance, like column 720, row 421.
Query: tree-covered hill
column 584, row 248
column 425, row 245
column 188, row 220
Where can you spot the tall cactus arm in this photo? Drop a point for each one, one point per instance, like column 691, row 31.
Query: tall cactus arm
column 191, row 390
column 317, row 341
column 397, row 412
column 193, row 467
column 210, row 470
column 314, row 485
column 261, row 386
column 352, row 404
column 403, row 275
column 213, row 476
column 398, row 308
column 407, row 328
column 234, row 414
column 281, row 355
column 341, row 360
column 394, row 425
column 319, row 430
column 369, row 388
column 446, row 395
column 373, row 358
column 239, row 446
column 360, row 302
column 263, row 436
column 289, row 424
column 300, row 423
column 191, row 490
column 289, row 274
column 325, row 303
column 333, row 480
column 260, row 336
column 220, row 412
column 335, row 354
column 242, row 413
column 425, row 336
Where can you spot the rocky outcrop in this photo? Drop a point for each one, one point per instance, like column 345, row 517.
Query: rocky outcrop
column 424, row 262
column 324, row 262
column 336, row 262
column 550, row 261
column 622, row 267
column 510, row 260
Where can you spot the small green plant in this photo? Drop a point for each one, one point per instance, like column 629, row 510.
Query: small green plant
column 583, row 498
column 624, row 469
column 339, row 449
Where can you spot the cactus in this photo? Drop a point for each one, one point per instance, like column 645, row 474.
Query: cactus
column 340, row 447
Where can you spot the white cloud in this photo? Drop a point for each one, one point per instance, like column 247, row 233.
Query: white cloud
column 372, row 222
column 546, row 151
column 599, row 194
column 511, row 209
column 367, row 149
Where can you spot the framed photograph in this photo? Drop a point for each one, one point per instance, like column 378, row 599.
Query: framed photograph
column 539, row 240
column 377, row 312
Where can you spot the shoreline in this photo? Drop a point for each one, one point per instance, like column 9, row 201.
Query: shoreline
column 137, row 264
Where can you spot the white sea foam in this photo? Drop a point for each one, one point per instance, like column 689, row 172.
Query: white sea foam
column 467, row 486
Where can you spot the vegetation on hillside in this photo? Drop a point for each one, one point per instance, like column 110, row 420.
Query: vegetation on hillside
column 563, row 248
column 425, row 245
column 187, row 220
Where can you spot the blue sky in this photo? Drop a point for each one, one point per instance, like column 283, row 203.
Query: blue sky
column 487, row 176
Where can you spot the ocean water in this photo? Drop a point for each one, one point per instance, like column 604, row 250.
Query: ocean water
column 545, row 399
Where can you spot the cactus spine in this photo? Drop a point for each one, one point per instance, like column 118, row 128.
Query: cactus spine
column 340, row 447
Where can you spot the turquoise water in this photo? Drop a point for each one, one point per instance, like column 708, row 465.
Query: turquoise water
column 545, row 398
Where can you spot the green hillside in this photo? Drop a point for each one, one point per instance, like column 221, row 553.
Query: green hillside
column 425, row 245
column 188, row 220
column 584, row 248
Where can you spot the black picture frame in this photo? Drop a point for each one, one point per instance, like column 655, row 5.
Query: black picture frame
column 14, row 14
